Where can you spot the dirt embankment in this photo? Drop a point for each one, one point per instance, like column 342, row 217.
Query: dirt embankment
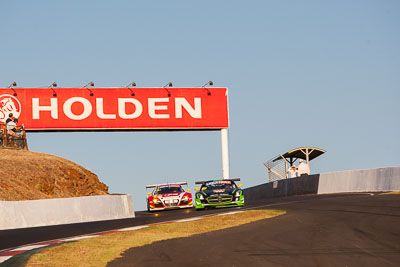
column 26, row 175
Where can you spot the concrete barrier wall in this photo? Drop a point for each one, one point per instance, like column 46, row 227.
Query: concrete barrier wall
column 374, row 180
column 43, row 212
column 287, row 187
column 382, row 179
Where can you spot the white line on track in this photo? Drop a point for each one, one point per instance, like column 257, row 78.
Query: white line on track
column 28, row 247
column 133, row 228
column 4, row 258
column 77, row 238
column 230, row 213
column 189, row 219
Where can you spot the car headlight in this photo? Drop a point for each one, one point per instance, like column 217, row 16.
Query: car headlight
column 201, row 197
column 237, row 194
column 185, row 198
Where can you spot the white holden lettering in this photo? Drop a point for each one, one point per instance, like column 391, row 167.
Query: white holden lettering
column 128, row 108
column 122, row 108
column 100, row 110
column 87, row 108
column 181, row 102
column 36, row 108
column 153, row 108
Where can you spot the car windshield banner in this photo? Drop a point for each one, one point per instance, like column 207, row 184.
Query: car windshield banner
column 218, row 182
column 77, row 109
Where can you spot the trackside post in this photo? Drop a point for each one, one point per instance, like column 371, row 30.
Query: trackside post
column 225, row 153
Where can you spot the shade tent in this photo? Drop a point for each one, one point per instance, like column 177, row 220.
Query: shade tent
column 305, row 153
column 278, row 166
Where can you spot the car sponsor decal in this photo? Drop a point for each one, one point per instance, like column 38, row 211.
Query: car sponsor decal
column 219, row 191
column 170, row 195
column 218, row 182
column 169, row 185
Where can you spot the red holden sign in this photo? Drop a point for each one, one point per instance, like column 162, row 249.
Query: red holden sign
column 42, row 109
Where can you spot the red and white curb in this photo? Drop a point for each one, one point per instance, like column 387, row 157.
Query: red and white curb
column 5, row 255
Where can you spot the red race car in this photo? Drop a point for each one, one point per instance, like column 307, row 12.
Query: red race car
column 169, row 196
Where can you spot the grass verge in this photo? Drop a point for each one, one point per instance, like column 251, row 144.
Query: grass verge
column 99, row 250
column 391, row 193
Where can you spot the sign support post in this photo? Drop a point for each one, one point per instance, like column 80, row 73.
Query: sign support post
column 225, row 153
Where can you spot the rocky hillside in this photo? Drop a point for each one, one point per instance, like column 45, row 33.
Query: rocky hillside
column 26, row 175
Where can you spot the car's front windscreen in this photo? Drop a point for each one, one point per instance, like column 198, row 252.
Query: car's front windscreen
column 218, row 185
column 169, row 190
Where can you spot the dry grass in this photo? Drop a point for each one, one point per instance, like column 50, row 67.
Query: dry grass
column 391, row 193
column 26, row 175
column 100, row 250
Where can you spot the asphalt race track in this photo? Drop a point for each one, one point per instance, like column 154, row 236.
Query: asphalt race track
column 358, row 230
column 318, row 230
column 18, row 237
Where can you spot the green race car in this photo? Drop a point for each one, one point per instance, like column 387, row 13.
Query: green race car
column 218, row 194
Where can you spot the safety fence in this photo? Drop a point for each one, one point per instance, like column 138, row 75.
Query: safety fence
column 277, row 169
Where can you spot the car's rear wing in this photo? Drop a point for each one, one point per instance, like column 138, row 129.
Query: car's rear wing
column 155, row 185
column 202, row 182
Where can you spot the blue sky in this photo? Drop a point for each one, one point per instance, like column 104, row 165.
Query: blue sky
column 299, row 73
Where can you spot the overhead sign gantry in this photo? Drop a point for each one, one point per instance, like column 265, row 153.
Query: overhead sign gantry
column 119, row 109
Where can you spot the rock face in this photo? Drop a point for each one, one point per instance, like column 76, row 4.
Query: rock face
column 26, row 175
